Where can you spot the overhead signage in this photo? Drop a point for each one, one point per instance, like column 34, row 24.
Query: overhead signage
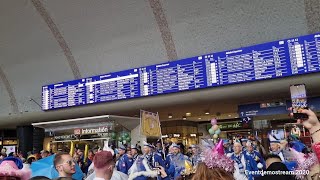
column 256, row 109
column 65, row 137
column 271, row 60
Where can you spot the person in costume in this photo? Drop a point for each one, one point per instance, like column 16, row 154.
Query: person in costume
column 227, row 146
column 134, row 152
column 243, row 163
column 255, row 155
column 216, row 165
column 275, row 147
column 150, row 164
column 243, row 143
column 159, row 149
column 124, row 162
column 178, row 160
column 195, row 158
column 12, row 168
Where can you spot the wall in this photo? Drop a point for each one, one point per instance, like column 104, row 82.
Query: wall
column 136, row 136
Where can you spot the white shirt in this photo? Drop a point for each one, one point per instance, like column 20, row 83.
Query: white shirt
column 116, row 175
column 97, row 178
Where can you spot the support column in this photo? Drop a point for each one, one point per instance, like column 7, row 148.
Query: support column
column 25, row 139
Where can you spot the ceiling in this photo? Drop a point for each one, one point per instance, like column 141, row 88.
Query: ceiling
column 49, row 41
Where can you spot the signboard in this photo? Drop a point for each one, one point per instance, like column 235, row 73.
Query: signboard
column 150, row 124
column 234, row 125
column 271, row 60
column 257, row 110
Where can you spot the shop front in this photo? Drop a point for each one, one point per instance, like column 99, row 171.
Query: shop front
column 89, row 133
column 184, row 132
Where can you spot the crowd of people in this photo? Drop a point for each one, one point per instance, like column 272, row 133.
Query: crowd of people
column 224, row 159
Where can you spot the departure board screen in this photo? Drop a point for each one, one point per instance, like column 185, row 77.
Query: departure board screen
column 276, row 59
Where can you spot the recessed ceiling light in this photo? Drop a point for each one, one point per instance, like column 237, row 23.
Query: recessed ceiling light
column 170, row 115
column 199, row 118
column 184, row 117
column 207, row 113
column 229, row 115
column 188, row 114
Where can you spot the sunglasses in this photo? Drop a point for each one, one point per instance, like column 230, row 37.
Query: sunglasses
column 69, row 162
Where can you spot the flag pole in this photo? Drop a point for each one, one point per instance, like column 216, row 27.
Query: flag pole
column 164, row 152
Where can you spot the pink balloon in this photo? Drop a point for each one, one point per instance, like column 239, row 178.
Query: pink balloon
column 215, row 127
column 213, row 121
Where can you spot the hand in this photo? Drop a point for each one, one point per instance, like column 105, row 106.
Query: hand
column 162, row 171
column 312, row 120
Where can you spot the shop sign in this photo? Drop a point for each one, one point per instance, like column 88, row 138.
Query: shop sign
column 232, row 125
column 103, row 129
column 65, row 137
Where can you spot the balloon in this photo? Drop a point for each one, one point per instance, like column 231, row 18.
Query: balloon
column 211, row 131
column 217, row 132
column 213, row 121
column 119, row 138
column 215, row 136
column 126, row 134
column 128, row 139
column 113, row 135
column 215, row 127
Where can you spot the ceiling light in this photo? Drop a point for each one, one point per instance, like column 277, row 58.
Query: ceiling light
column 188, row 114
column 199, row 118
column 229, row 115
column 207, row 112
column 184, row 117
column 170, row 115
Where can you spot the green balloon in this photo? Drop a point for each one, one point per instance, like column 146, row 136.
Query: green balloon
column 120, row 138
column 126, row 134
column 128, row 139
column 211, row 131
column 113, row 135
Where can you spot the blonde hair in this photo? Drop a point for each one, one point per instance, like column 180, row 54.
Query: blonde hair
column 204, row 173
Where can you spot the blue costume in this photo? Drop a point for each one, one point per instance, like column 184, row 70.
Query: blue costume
column 244, row 163
column 124, row 163
column 256, row 156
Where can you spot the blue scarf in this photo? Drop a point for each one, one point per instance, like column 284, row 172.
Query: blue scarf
column 237, row 159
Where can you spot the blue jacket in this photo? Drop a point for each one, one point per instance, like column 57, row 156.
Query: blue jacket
column 124, row 163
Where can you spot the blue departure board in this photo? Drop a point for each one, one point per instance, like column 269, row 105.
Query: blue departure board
column 276, row 59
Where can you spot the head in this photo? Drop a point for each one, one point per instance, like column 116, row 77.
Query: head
column 271, row 158
column 64, row 164
column 274, row 147
column 129, row 150
column 205, row 173
column 158, row 145
column 146, row 150
column 249, row 146
column 80, row 152
column 194, row 150
column 176, row 150
column 30, row 160
column 90, row 153
column 237, row 148
column 121, row 151
column 76, row 157
column 134, row 151
column 104, row 163
column 230, row 141
column 44, row 153
column 3, row 155
column 171, row 149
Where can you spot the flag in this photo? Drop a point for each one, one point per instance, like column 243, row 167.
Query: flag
column 149, row 124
